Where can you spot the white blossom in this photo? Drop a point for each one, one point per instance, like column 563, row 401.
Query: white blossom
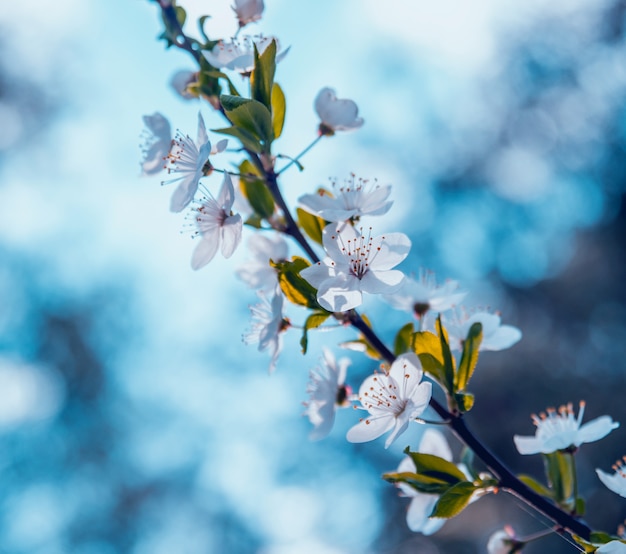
column 238, row 54
column 216, row 225
column 180, row 80
column 617, row 481
column 189, row 160
column 613, row 547
column 157, row 140
column 420, row 296
column 257, row 273
column 392, row 400
column 503, row 542
column 495, row 335
column 336, row 114
column 248, row 11
column 558, row 430
column 350, row 201
column 268, row 325
column 327, row 392
column 355, row 264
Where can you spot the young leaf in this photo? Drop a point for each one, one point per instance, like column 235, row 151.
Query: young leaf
column 421, row 483
column 296, row 288
column 312, row 224
column 454, row 500
column 536, row 486
column 448, row 360
column 250, row 116
column 313, row 321
column 255, row 190
column 248, row 140
column 403, row 340
column 262, row 76
column 434, row 466
column 469, row 358
column 279, row 107
column 464, row 401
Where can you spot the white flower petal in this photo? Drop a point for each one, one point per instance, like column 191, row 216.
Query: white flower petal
column 394, row 248
column 231, row 234
column 433, row 442
column 417, row 516
column 379, row 282
column 338, row 114
column 205, row 250
column 203, row 138
column 317, row 273
column 615, row 482
column 505, row 337
column 184, row 193
column 226, row 196
column 340, row 293
column 370, row 428
column 596, row 429
column 613, row 547
column 528, row 445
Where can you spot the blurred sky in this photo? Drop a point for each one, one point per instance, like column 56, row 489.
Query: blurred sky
column 134, row 418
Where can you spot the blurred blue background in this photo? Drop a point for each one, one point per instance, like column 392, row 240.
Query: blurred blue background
column 133, row 419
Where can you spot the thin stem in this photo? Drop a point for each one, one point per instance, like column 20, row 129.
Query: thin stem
column 297, row 158
column 180, row 40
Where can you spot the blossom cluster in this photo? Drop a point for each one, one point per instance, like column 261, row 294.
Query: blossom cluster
column 438, row 346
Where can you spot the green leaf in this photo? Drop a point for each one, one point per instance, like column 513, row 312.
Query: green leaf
column 262, row 76
column 448, row 360
column 254, row 221
column 404, row 338
column 278, row 107
column 255, row 190
column 248, row 140
column 454, row 500
column 432, row 367
column 209, row 44
column 313, row 321
column 600, row 537
column 560, row 472
column 421, row 483
column 535, row 485
column 464, row 401
column 434, row 466
column 580, row 506
column 311, row 224
column 296, row 288
column 469, row 358
column 215, row 74
column 250, row 116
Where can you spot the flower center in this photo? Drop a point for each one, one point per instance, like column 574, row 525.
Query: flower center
column 360, row 253
column 383, row 394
